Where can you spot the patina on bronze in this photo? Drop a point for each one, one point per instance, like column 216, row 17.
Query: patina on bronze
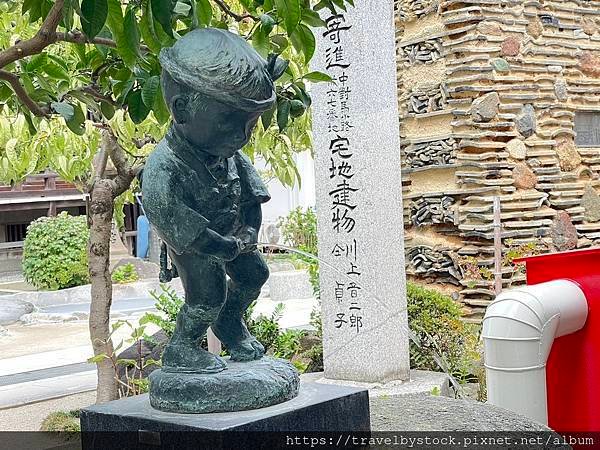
column 203, row 196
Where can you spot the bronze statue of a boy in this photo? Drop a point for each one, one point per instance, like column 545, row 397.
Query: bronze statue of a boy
column 203, row 195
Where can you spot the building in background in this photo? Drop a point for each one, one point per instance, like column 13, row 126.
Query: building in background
column 40, row 195
column 497, row 98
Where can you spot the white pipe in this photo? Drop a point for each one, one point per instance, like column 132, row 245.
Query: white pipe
column 519, row 328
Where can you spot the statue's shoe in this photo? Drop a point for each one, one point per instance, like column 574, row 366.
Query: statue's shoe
column 247, row 350
column 186, row 358
column 242, row 346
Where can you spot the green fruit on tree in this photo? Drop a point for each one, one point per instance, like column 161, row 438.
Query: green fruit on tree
column 297, row 108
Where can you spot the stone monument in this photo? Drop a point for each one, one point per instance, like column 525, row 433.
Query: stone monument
column 203, row 197
column 359, row 197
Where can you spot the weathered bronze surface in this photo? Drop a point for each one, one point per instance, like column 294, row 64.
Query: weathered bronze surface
column 203, row 196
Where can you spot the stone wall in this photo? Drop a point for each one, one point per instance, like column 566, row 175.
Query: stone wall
column 491, row 94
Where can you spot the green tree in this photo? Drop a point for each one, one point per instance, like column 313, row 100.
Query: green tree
column 80, row 86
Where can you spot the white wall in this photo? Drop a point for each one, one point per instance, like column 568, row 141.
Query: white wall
column 284, row 199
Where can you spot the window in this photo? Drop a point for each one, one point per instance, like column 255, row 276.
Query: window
column 587, row 127
column 16, row 232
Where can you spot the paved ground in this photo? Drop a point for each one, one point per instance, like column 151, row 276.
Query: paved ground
column 30, row 417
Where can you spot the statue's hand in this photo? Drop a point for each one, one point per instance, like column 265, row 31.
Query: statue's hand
column 229, row 248
column 249, row 238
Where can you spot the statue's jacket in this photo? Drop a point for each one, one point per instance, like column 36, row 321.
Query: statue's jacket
column 186, row 191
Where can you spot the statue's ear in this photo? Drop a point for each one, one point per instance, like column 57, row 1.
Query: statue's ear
column 276, row 66
column 179, row 108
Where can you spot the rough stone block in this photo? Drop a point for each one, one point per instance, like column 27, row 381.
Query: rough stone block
column 563, row 232
column 485, row 108
column 524, row 177
column 11, row 310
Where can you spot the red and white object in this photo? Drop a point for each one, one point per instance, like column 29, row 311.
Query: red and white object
column 542, row 342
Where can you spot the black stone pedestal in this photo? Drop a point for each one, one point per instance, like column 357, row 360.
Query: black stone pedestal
column 320, row 411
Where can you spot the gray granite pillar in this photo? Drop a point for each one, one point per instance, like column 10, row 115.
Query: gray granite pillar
column 359, row 196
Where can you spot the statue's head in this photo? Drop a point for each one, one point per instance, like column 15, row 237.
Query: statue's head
column 216, row 87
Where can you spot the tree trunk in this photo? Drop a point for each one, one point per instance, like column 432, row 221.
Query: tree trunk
column 101, row 215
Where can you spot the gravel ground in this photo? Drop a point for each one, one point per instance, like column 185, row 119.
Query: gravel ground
column 30, row 417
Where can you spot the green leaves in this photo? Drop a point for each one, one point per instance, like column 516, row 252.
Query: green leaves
column 138, row 110
column 64, row 109
column 36, row 62
column 55, row 71
column 124, row 31
column 304, row 41
column 162, row 11
column 289, row 11
column 260, row 41
column 283, row 113
column 93, row 16
column 204, row 12
column 318, row 77
column 131, row 34
column 312, row 18
column 77, row 123
column 55, row 254
column 150, row 90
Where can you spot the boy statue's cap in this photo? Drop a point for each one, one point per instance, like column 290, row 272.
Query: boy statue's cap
column 223, row 66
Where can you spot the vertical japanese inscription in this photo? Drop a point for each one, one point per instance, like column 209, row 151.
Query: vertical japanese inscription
column 359, row 196
column 342, row 175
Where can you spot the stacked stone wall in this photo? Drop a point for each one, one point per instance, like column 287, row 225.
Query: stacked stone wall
column 497, row 98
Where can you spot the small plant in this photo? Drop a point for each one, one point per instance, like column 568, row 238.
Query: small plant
column 517, row 251
column 125, row 274
column 287, row 344
column 435, row 320
column 473, row 272
column 135, row 382
column 299, row 230
column 62, row 421
column 265, row 329
column 55, row 252
column 168, row 303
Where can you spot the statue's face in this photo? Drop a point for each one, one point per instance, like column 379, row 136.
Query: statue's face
column 217, row 128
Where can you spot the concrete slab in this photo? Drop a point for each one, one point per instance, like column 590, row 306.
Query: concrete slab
column 35, row 391
column 37, row 361
column 421, row 382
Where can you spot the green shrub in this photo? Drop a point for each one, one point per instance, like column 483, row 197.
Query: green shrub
column 169, row 304
column 125, row 274
column 265, row 329
column 299, row 230
column 435, row 320
column 287, row 344
column 62, row 421
column 55, row 252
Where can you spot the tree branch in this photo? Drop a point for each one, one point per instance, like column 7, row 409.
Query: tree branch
column 227, row 10
column 92, row 91
column 45, row 36
column 76, row 37
column 21, row 93
column 125, row 173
